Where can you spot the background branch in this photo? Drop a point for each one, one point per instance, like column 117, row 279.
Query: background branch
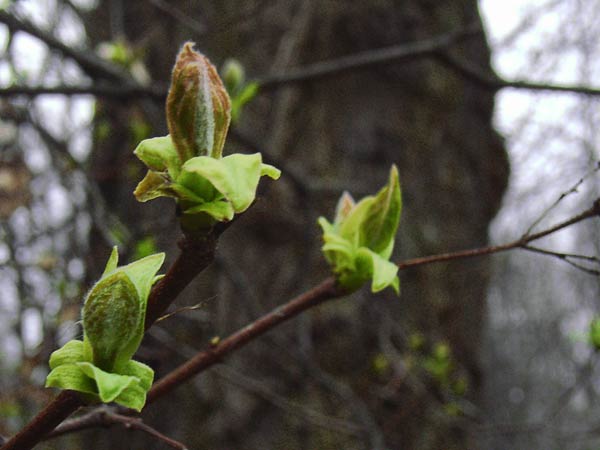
column 94, row 66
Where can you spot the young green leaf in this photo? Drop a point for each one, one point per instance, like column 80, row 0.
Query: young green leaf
column 360, row 241
column 113, row 324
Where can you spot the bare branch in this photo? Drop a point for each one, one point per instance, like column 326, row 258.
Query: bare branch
column 195, row 256
column 403, row 52
column 107, row 90
column 184, row 19
column 594, row 211
column 89, row 62
column 326, row 290
column 562, row 196
column 494, row 82
column 568, row 258
column 104, row 417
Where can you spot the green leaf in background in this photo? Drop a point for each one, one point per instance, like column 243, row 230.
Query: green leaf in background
column 595, row 333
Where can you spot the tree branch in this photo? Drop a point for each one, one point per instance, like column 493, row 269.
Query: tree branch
column 326, row 290
column 522, row 242
column 104, row 417
column 495, row 83
column 123, row 86
column 413, row 50
column 89, row 62
column 198, row 254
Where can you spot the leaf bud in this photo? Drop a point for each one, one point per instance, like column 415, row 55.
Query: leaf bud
column 198, row 106
column 111, row 316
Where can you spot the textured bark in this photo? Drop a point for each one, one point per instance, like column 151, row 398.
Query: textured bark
column 342, row 132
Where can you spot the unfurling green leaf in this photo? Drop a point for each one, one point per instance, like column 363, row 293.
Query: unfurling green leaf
column 360, row 241
column 187, row 164
column 113, row 326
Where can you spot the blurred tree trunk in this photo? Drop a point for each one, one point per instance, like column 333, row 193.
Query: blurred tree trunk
column 359, row 359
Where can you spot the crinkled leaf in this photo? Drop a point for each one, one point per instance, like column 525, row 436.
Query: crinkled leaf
column 221, row 211
column 380, row 222
column 109, row 385
column 69, row 353
column 338, row 251
column 144, row 373
column 133, row 396
column 235, row 176
column 71, row 376
column 152, row 186
column 195, row 187
column 159, row 155
column 382, row 271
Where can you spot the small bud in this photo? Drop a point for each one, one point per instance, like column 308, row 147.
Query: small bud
column 233, row 75
column 111, row 316
column 198, row 106
column 345, row 204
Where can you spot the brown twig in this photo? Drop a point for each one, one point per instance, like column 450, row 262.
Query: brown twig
column 177, row 278
column 89, row 62
column 196, row 254
column 407, row 51
column 326, row 290
column 104, row 417
column 522, row 242
column 494, row 82
column 53, row 414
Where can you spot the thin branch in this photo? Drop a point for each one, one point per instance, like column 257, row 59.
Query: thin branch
column 184, row 19
column 594, row 211
column 125, row 87
column 419, row 49
column 567, row 258
column 106, row 90
column 562, row 196
column 63, row 405
column 104, row 417
column 326, row 290
column 89, row 62
column 494, row 82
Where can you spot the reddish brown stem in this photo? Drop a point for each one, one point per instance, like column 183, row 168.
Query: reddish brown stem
column 196, row 254
column 522, row 242
column 325, row 291
column 49, row 418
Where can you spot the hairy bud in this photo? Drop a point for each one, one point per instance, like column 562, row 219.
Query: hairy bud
column 198, row 106
column 111, row 315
